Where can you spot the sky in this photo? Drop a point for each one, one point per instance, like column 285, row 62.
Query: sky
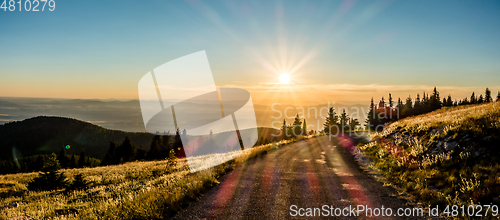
column 335, row 51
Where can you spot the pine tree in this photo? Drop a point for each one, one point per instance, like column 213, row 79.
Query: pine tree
column 353, row 123
column 487, row 96
column 449, row 102
column 63, row 158
column 417, row 108
column 154, row 149
column 434, row 101
column 50, row 178
column 110, row 157
column 390, row 100
column 79, row 182
column 284, row 130
column 344, row 120
column 297, row 126
column 498, row 97
column 465, row 101
column 424, row 103
column 372, row 120
column 473, row 98
column 480, row 99
column 73, row 163
column 40, row 162
column 408, row 108
column 177, row 143
column 126, row 151
column 141, row 153
column 81, row 160
column 165, row 145
column 331, row 126
column 304, row 127
column 399, row 107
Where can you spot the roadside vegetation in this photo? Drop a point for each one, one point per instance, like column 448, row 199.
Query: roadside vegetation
column 449, row 156
column 134, row 190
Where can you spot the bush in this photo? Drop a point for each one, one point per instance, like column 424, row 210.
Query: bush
column 79, row 183
column 50, row 178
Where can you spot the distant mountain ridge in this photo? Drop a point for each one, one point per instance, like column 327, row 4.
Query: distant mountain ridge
column 50, row 134
column 47, row 134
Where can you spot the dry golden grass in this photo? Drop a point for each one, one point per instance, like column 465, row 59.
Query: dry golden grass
column 454, row 117
column 135, row 190
column 411, row 154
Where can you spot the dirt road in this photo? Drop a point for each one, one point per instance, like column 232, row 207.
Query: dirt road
column 308, row 174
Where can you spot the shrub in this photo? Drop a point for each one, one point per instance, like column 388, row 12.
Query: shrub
column 79, row 183
column 50, row 178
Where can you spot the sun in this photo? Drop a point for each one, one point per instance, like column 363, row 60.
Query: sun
column 284, row 78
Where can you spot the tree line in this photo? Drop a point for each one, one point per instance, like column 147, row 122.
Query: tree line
column 333, row 125
column 339, row 124
column 161, row 147
column 37, row 162
column 294, row 130
column 383, row 113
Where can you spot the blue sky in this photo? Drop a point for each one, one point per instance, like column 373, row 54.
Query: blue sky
column 100, row 49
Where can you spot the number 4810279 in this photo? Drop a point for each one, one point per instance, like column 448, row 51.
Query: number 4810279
column 28, row 5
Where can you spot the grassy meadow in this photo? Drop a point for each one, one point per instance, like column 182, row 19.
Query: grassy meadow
column 135, row 190
column 449, row 156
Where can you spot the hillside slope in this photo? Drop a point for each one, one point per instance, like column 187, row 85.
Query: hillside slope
column 470, row 128
column 449, row 156
column 43, row 135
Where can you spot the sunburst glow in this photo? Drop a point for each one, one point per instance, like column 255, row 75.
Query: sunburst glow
column 284, row 78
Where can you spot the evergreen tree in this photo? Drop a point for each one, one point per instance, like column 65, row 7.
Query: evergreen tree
column 110, row 157
column 434, row 101
column 465, row 101
column 424, row 103
column 390, row 100
column 81, row 160
column 372, row 120
column 50, row 178
column 154, row 149
column 126, row 151
column 79, row 183
column 417, row 108
column 284, row 130
column 480, row 99
column 331, row 126
column 141, row 153
column 63, row 158
column 408, row 108
column 344, row 121
column 165, row 146
column 73, row 163
column 304, row 127
column 177, row 143
column 498, row 97
column 297, row 126
column 353, row 123
column 39, row 163
column 449, row 102
column 473, row 99
column 487, row 96
column 399, row 107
